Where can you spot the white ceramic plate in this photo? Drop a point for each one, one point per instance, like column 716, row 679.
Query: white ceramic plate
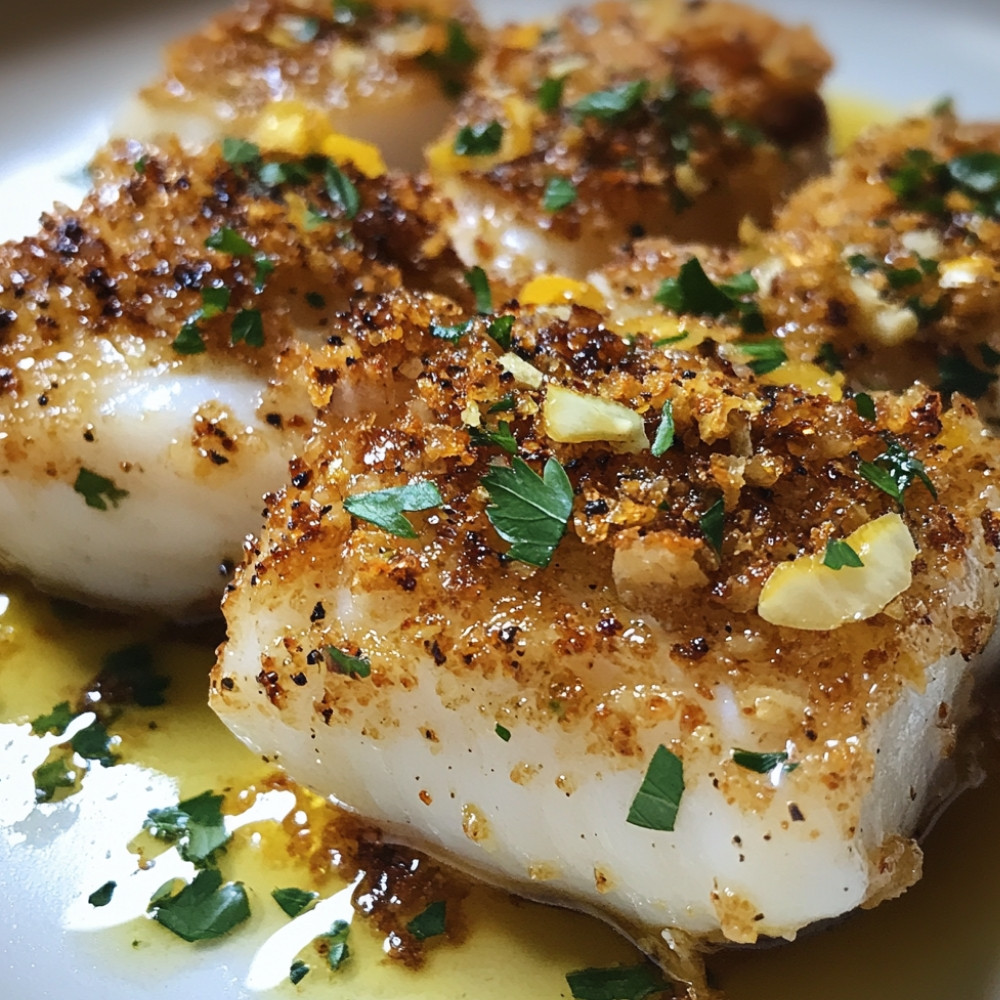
column 64, row 68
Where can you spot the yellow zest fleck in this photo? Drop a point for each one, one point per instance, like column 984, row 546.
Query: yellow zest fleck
column 574, row 417
column 806, row 594
column 290, row 127
column 556, row 290
column 521, row 36
column 364, row 155
column 669, row 332
column 815, row 380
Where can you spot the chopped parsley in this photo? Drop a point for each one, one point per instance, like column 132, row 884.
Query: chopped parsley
column 98, row 491
column 298, row 971
column 335, row 944
column 765, row 355
column 957, row 374
column 189, row 340
column 102, row 896
column 894, row 471
column 500, row 330
column 865, row 406
column 529, row 511
column 479, row 285
column 53, row 775
column 430, row 923
column 450, row 65
column 479, row 140
column 501, row 437
column 828, row 358
column 227, row 240
column 214, row 301
column 342, row 190
column 922, row 182
column 659, row 797
column 248, row 328
column 315, row 301
column 693, row 293
column 761, row 763
column 349, row 12
column 613, row 103
column 384, row 508
column 712, row 523
column 203, row 909
column 294, row 901
column 503, row 732
column 550, row 93
column 620, row 982
column 93, row 742
column 240, row 152
column 345, row 663
column 55, row 722
column 452, row 333
column 506, row 404
column 560, row 193
column 263, row 269
column 840, row 554
column 195, row 825
column 665, row 432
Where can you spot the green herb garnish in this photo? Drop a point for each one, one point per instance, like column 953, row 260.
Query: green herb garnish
column 98, row 491
column 665, row 432
column 615, row 102
column 227, row 240
column 189, row 340
column 693, row 293
column 894, row 471
column 765, row 355
column 294, row 901
column 503, row 732
column 298, row 971
column 203, row 909
column 865, row 406
column 351, row 666
column 762, row 763
column 55, row 722
column 500, row 330
column 93, row 742
column 479, row 140
column 102, row 896
column 501, row 437
column 248, row 328
column 958, row 374
column 341, row 190
column 621, row 982
column 335, row 941
column 452, row 333
column 839, row 554
column 550, row 93
column 560, row 192
column 384, row 508
column 240, row 152
column 529, row 511
column 53, row 775
column 430, row 923
column 712, row 523
column 196, row 826
column 479, row 284
column 656, row 803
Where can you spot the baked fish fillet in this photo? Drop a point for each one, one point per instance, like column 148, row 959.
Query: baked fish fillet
column 145, row 341
column 285, row 73
column 677, row 714
column 887, row 270
column 619, row 119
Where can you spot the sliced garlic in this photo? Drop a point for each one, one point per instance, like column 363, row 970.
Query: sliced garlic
column 888, row 324
column 524, row 373
column 808, row 595
column 573, row 417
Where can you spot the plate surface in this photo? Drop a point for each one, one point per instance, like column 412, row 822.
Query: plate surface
column 64, row 69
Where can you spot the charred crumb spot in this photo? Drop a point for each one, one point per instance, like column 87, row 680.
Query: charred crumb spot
column 227, row 684
column 70, row 237
column 694, row 649
column 335, row 341
column 836, row 313
column 757, row 916
column 226, row 567
column 429, row 735
column 300, row 679
column 314, row 656
column 273, row 419
column 88, row 435
column 596, row 508
column 318, row 612
column 796, row 813
column 43, row 400
column 636, row 231
column 810, row 735
column 508, row 634
column 302, row 479
column 216, row 459
column 435, row 650
column 991, row 528
column 610, row 626
column 7, row 318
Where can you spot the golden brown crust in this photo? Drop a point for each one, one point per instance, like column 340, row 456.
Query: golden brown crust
column 787, row 465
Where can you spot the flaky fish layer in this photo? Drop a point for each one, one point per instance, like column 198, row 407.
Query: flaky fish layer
column 508, row 716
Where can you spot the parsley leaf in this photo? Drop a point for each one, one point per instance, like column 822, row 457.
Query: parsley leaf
column 450, row 65
column 55, row 722
column 500, row 330
column 479, row 140
column 102, row 896
column 51, row 776
column 94, row 743
column 765, row 355
column 503, row 732
column 550, row 93
column 352, row 666
column 865, row 406
column 501, row 437
column 384, row 508
column 958, row 374
column 203, row 909
column 238, row 152
column 195, row 825
column 480, row 286
column 430, row 923
column 248, row 328
column 98, row 491
column 452, row 333
column 761, row 763
column 712, row 523
column 335, row 942
column 263, row 269
column 298, row 971
column 560, row 193
column 294, row 901
column 659, row 797
column 341, row 190
column 693, row 293
column 665, row 432
column 894, row 470
column 839, row 554
column 214, row 301
column 529, row 511
column 504, row 405
column 229, row 241
column 615, row 102
column 621, row 982
column 189, row 340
